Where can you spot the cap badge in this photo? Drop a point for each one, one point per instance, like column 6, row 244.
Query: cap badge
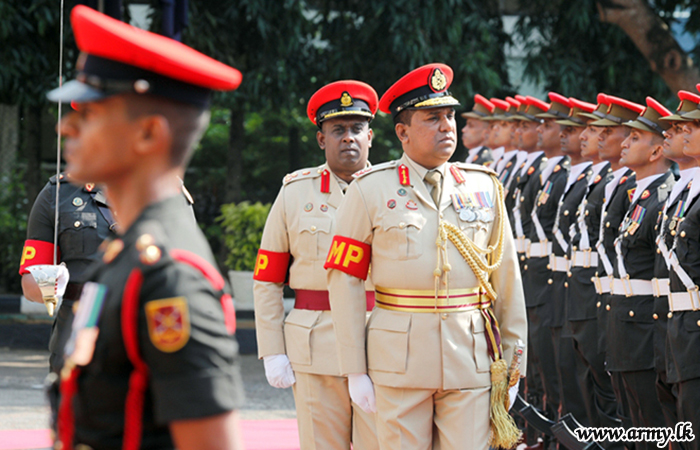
column 438, row 80
column 346, row 100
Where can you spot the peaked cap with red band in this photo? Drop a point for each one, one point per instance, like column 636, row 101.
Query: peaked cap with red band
column 500, row 110
column 422, row 88
column 692, row 114
column 559, row 107
column 619, row 111
column 600, row 110
column 482, row 108
column 515, row 107
column 688, row 103
column 119, row 58
column 649, row 120
column 578, row 112
column 533, row 107
column 342, row 98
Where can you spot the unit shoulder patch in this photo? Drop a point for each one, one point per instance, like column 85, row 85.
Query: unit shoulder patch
column 302, row 174
column 168, row 323
column 375, row 168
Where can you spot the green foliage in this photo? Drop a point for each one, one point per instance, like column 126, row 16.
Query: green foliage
column 572, row 52
column 13, row 229
column 242, row 226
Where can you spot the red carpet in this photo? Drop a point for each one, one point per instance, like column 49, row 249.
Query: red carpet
column 257, row 435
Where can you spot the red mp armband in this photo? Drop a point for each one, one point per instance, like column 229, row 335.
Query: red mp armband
column 349, row 256
column 35, row 253
column 271, row 266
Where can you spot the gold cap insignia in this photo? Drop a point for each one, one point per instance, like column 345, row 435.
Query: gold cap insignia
column 438, row 81
column 346, row 100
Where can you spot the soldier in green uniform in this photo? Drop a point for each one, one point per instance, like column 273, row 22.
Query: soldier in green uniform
column 152, row 360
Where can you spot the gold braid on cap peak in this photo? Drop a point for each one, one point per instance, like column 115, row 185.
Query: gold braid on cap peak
column 471, row 252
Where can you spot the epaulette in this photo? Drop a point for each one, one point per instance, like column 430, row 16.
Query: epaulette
column 301, row 174
column 477, row 167
column 150, row 244
column 375, row 168
column 62, row 177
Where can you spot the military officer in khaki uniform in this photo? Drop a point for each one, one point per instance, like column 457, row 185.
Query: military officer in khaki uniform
column 444, row 269
column 295, row 242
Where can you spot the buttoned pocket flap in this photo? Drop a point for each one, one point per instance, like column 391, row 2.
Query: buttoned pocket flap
column 391, row 322
column 402, row 220
column 298, row 327
column 315, row 225
column 387, row 341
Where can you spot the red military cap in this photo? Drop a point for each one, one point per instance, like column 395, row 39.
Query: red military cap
column 619, row 111
column 342, row 98
column 482, row 108
column 688, row 103
column 694, row 113
column 600, row 110
column 118, row 58
column 649, row 119
column 500, row 108
column 533, row 107
column 515, row 106
column 578, row 110
column 421, row 88
column 558, row 108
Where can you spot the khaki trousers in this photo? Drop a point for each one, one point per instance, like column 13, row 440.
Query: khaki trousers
column 429, row 419
column 327, row 418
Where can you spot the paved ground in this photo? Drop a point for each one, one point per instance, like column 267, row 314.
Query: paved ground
column 23, row 405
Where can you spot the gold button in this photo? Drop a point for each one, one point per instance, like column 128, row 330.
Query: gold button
column 549, row 266
column 626, row 234
column 658, row 250
column 586, row 213
column 665, row 217
column 569, row 274
column 607, row 225
column 683, row 233
column 522, row 258
column 592, row 279
column 597, row 305
column 631, row 313
column 566, row 213
column 444, row 316
column 313, row 227
column 673, row 233
column 655, row 316
column 525, row 267
column 522, row 199
column 566, row 284
column 574, row 248
column 669, row 315
column 550, row 281
column 605, row 213
column 607, row 307
column 698, row 322
column 76, row 224
column 402, row 225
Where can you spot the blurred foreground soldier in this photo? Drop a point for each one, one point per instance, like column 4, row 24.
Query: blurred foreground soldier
column 673, row 212
column 632, row 302
column 296, row 240
column 475, row 132
column 432, row 343
column 152, row 361
column 683, row 337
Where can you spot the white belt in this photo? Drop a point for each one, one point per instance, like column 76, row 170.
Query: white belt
column 585, row 258
column 629, row 288
column 521, row 244
column 660, row 286
column 602, row 285
column 539, row 249
column 558, row 263
column 684, row 301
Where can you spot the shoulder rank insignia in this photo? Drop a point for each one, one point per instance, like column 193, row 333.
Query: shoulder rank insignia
column 476, row 167
column 645, row 194
column 531, row 170
column 623, row 180
column 580, row 177
column 557, row 168
column 326, row 181
column 404, row 176
column 168, row 323
column 597, row 179
column 374, row 168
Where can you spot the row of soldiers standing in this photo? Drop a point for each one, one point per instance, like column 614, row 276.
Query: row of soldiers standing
column 607, row 237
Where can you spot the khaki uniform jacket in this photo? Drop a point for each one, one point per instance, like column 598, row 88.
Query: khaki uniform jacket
column 419, row 350
column 301, row 222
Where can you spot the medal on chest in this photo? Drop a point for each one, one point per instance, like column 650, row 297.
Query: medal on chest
column 544, row 193
column 473, row 206
column 677, row 215
column 634, row 221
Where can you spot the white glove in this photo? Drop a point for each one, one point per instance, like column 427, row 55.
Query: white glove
column 512, row 393
column 362, row 392
column 278, row 371
column 47, row 274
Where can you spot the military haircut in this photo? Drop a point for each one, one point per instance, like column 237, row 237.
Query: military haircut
column 404, row 117
column 187, row 122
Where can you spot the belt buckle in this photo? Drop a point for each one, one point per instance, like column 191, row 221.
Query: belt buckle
column 587, row 258
column 626, row 283
column 655, row 288
column 694, row 297
column 597, row 284
column 670, row 301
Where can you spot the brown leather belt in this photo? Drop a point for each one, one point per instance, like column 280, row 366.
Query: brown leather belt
column 318, row 300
